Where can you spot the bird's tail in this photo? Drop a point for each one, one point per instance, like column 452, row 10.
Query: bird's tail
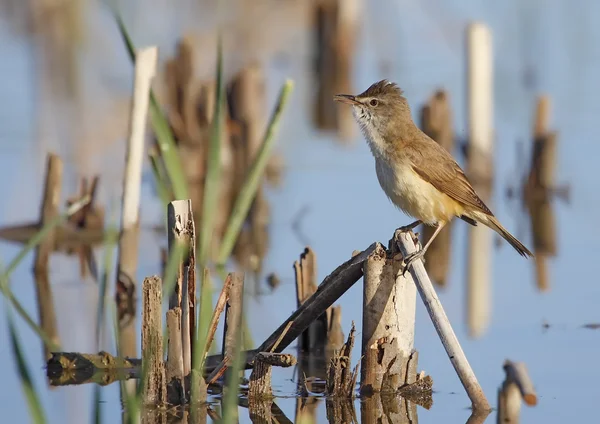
column 493, row 223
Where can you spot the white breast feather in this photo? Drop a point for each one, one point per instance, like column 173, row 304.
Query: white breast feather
column 404, row 187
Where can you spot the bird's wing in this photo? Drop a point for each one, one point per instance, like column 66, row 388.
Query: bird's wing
column 447, row 176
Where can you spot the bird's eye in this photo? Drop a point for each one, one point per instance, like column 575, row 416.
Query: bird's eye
column 373, row 102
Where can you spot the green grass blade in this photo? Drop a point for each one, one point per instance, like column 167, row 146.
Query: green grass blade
column 130, row 404
column 230, row 401
column 162, row 181
column 34, row 405
column 164, row 137
column 210, row 201
column 253, row 179
column 8, row 294
column 213, row 167
column 107, row 267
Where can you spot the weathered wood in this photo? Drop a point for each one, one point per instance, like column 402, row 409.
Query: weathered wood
column 341, row 378
column 331, row 289
column 78, row 361
column 49, row 211
column 174, row 368
column 186, row 323
column 219, row 307
column 517, row 385
column 181, row 241
column 436, row 122
column 67, row 237
column 442, row 324
column 389, row 303
column 516, row 372
column 313, row 339
column 233, row 315
column 71, row 359
column 145, row 68
column 480, row 102
column 259, row 385
column 154, row 384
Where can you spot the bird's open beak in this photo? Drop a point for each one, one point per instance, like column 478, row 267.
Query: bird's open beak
column 346, row 98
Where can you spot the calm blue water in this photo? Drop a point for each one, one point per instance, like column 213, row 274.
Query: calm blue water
column 417, row 44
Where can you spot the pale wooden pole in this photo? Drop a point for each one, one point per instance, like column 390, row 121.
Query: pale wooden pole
column 125, row 290
column 389, row 303
column 480, row 105
column 442, row 325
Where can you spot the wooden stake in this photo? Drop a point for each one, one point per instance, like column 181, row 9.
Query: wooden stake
column 49, row 211
column 154, row 390
column 145, row 68
column 181, row 241
column 332, row 287
column 389, row 302
column 442, row 324
column 233, row 315
column 516, row 386
column 174, row 369
column 259, row 385
column 480, row 170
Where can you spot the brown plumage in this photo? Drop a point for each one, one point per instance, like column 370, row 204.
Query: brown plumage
column 416, row 173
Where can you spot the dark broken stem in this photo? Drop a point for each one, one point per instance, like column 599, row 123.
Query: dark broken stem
column 214, row 322
column 330, row 290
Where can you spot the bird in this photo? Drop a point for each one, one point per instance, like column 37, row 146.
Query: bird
column 418, row 175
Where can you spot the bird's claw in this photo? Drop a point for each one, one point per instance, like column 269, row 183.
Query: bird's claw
column 411, row 258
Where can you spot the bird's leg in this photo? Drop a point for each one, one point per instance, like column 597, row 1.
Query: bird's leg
column 420, row 253
column 410, row 226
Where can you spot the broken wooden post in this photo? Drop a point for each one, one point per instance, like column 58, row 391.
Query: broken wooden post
column 232, row 331
column 335, row 27
column 154, row 389
column 389, row 302
column 436, row 122
column 174, row 372
column 233, row 314
column 480, row 105
column 49, row 211
column 341, row 377
column 441, row 323
column 330, row 290
column 145, row 68
column 259, row 385
column 182, row 243
column 317, row 343
column 516, row 386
